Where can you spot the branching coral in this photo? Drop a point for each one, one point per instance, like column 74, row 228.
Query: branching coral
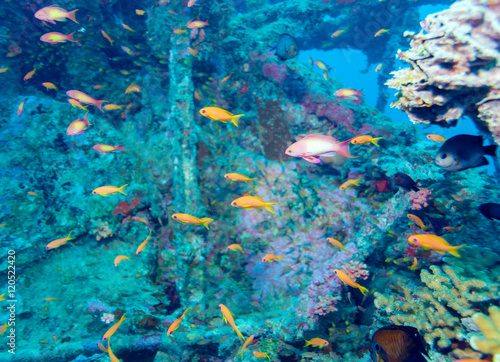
column 455, row 67
column 433, row 309
column 490, row 327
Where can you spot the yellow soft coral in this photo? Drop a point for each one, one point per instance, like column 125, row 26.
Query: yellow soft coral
column 490, row 328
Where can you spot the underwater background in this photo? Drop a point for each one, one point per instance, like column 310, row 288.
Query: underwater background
column 224, row 180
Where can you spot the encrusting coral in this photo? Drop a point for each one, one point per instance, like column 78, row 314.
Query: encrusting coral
column 490, row 327
column 455, row 53
column 433, row 309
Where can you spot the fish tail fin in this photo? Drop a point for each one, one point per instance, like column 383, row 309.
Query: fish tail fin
column 205, row 221
column 269, row 208
column 343, row 148
column 363, row 290
column 279, row 258
column 71, row 16
column 120, row 147
column 356, row 182
column 120, row 190
column 98, row 104
column 308, row 343
column 239, row 334
column 453, row 251
column 415, row 188
column 236, row 118
column 69, row 37
column 490, row 150
column 86, row 120
column 69, row 236
column 375, row 141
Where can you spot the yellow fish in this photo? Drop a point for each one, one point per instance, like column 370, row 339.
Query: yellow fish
column 112, row 356
column 112, row 107
column 49, row 85
column 128, row 28
column 361, row 140
column 3, row 328
column 436, row 243
column 113, row 329
column 77, row 104
column 349, row 183
column 120, row 258
column 338, row 244
column 253, row 202
column 58, row 242
column 346, row 280
column 189, row 219
column 109, row 190
column 235, row 247
column 261, row 355
column 317, row 342
column 140, row 12
column 245, row 345
column 436, row 138
column 177, row 323
column 271, row 257
column 219, row 114
column 417, row 221
column 228, row 318
column 237, row 177
column 143, row 244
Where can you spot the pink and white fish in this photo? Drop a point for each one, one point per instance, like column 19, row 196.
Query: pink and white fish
column 311, row 147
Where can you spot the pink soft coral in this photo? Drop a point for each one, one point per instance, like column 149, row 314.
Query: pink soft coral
column 419, row 199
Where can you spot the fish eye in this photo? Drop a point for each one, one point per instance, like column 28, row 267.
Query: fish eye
column 415, row 239
column 325, row 343
column 289, row 151
column 377, row 347
column 175, row 217
column 443, row 156
column 204, row 111
column 234, row 203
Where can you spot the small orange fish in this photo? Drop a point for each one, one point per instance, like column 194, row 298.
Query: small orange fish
column 261, row 355
column 189, row 219
column 197, row 96
column 104, row 34
column 321, row 65
column 414, row 265
column 109, row 190
column 43, row 342
column 228, row 318
column 381, row 31
column 325, row 75
column 111, row 355
column 176, row 323
column 196, row 24
column 49, row 85
column 54, row 338
column 379, row 67
column 436, row 243
column 219, row 114
column 50, row 299
column 225, row 79
column 235, row 247
column 112, row 107
column 106, row 149
column 141, row 219
column 436, row 138
column 78, row 126
column 140, row 12
column 52, row 13
column 132, row 88
column 29, row 74
column 124, row 72
column 120, row 258
column 271, row 258
column 317, row 342
column 3, row 70
column 349, row 183
column 172, row 12
column 77, row 104
column 253, row 202
column 417, row 221
column 20, row 108
column 98, row 86
column 338, row 244
column 85, row 98
column 346, row 280
column 347, row 93
column 451, row 228
column 129, row 51
column 58, row 242
column 238, row 177
column 56, row 38
column 128, row 28
column 361, row 140
column 102, row 348
column 178, row 31
column 144, row 243
column 193, row 52
column 113, row 329
column 245, row 345
column 32, row 193
column 338, row 32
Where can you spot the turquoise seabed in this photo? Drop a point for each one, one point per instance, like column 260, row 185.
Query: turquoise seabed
column 181, row 182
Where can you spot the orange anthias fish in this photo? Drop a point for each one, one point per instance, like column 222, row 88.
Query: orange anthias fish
column 436, row 243
column 238, row 177
column 113, row 329
column 178, row 31
column 228, row 318
column 379, row 67
column 414, row 265
column 104, row 34
column 106, row 149
column 128, row 28
column 261, row 355
column 350, row 183
column 346, row 280
column 55, row 38
column 269, row 258
column 219, row 114
column 78, row 126
column 85, row 98
column 112, row 356
column 235, row 247
column 29, row 74
column 77, row 104
column 338, row 244
column 361, row 140
column 120, row 258
column 347, row 93
column 3, row 70
column 225, row 79
column 417, row 221
column 32, row 193
column 20, row 108
column 311, row 147
column 436, row 138
column 141, row 219
column 49, row 85
column 381, row 31
column 132, row 88
column 338, row 32
column 109, row 190
column 144, row 243
column 50, row 299
column 189, row 219
column 194, row 52
column 102, row 348
column 451, row 228
column 51, row 14
column 196, row 24
column 58, row 242
column 253, row 202
column 322, row 65
column 317, row 342
column 112, row 107
column 245, row 345
column 177, row 323
column 140, row 12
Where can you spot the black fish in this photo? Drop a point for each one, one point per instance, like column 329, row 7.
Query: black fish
column 462, row 152
column 287, row 47
column 397, row 344
column 490, row 210
column 405, row 181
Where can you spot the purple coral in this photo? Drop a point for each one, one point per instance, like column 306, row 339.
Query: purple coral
column 419, row 199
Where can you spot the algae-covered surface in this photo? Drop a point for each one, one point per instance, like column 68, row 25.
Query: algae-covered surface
column 188, row 181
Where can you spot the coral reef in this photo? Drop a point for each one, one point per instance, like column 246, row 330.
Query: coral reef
column 455, row 68
column 490, row 328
